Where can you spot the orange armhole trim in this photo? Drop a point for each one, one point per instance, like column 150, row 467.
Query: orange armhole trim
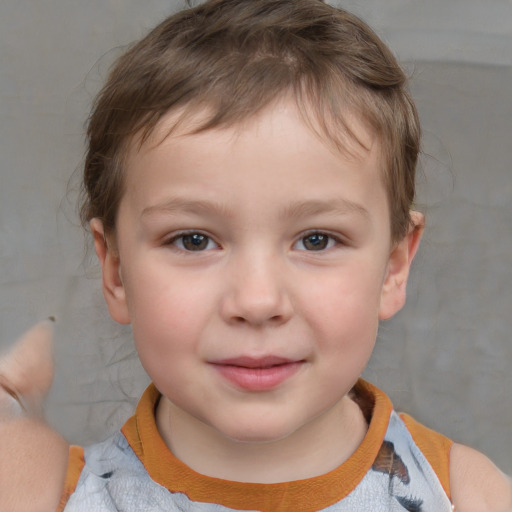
column 76, row 463
column 434, row 446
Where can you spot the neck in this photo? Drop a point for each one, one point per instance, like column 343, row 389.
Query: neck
column 315, row 449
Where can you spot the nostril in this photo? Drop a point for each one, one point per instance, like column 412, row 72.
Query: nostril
column 240, row 320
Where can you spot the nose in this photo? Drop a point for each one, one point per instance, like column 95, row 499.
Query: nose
column 257, row 294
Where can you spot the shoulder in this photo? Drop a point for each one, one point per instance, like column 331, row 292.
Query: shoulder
column 477, row 485
column 96, row 470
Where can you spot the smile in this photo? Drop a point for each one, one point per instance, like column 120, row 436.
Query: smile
column 260, row 374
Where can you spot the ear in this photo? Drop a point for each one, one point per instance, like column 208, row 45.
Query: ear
column 394, row 288
column 113, row 288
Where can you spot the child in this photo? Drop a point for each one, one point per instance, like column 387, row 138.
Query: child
column 249, row 184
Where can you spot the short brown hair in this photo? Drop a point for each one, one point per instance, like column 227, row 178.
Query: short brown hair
column 235, row 57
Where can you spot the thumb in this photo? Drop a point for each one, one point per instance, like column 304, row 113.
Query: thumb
column 26, row 371
column 33, row 457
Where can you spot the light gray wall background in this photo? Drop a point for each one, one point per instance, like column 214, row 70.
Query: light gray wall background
column 445, row 358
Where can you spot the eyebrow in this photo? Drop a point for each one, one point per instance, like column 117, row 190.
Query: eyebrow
column 298, row 209
column 175, row 204
column 335, row 206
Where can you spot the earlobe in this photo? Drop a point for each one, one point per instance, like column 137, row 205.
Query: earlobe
column 112, row 284
column 394, row 287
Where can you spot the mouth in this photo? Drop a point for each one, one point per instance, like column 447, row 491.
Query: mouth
column 257, row 374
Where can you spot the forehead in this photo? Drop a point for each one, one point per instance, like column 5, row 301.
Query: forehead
column 348, row 134
column 297, row 129
column 279, row 138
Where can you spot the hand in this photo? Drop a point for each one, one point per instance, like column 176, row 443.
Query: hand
column 33, row 457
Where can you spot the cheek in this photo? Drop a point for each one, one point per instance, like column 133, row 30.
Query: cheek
column 342, row 312
column 166, row 315
column 348, row 298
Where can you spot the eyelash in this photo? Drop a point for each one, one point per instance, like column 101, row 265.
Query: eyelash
column 323, row 242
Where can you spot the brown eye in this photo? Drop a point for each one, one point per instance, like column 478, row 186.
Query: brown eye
column 316, row 242
column 194, row 242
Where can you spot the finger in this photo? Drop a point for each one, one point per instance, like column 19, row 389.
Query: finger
column 11, row 406
column 26, row 371
column 33, row 457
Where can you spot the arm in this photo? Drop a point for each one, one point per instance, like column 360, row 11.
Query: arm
column 477, row 485
column 33, row 457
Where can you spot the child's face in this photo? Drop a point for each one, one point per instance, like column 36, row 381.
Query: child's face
column 254, row 264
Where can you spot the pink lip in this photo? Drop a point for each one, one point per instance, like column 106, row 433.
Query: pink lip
column 257, row 374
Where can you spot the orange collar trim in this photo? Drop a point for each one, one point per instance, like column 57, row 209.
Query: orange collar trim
column 300, row 495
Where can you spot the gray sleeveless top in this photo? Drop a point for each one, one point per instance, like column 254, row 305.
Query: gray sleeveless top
column 114, row 480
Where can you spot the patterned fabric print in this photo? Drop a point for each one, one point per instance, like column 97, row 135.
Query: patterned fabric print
column 400, row 480
column 114, row 480
column 400, row 467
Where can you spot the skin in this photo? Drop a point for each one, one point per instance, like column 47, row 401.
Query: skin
column 33, row 456
column 257, row 192
column 255, row 290
column 477, row 484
